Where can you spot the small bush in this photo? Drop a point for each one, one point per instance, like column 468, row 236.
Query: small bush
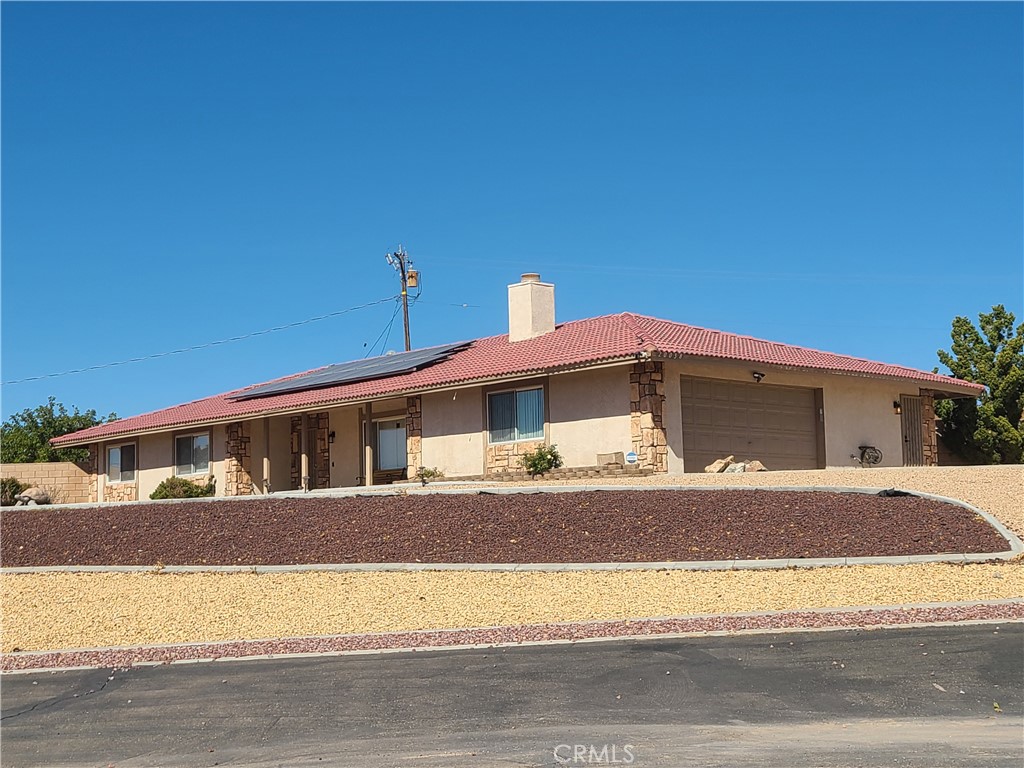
column 10, row 487
column 180, row 488
column 542, row 460
column 57, row 495
column 426, row 474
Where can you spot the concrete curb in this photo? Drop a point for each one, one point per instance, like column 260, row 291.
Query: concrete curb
column 1016, row 546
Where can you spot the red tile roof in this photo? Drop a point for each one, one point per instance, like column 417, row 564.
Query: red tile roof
column 575, row 344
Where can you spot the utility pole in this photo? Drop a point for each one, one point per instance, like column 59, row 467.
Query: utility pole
column 410, row 279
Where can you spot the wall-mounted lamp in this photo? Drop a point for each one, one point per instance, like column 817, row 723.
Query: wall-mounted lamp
column 330, row 437
column 896, row 407
column 758, row 376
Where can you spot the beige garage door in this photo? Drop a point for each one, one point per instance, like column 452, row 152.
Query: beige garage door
column 776, row 425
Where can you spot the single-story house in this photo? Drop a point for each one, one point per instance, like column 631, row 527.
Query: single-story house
column 670, row 397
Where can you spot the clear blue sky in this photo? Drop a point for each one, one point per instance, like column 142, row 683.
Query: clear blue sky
column 845, row 177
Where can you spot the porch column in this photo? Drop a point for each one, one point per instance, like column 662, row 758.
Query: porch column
column 413, row 435
column 368, row 446
column 646, row 406
column 304, row 443
column 929, row 438
column 266, row 455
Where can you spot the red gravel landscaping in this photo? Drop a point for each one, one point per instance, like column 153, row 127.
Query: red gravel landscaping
column 619, row 526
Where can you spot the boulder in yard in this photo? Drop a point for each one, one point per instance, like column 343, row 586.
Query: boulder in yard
column 755, row 466
column 32, row 496
column 736, row 468
column 719, row 466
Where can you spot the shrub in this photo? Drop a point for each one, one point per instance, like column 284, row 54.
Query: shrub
column 57, row 495
column 180, row 488
column 426, row 474
column 10, row 487
column 543, row 459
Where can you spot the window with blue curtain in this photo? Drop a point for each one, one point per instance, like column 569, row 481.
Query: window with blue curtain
column 516, row 415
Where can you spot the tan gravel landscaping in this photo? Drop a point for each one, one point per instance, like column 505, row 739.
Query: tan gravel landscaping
column 48, row 611
column 60, row 610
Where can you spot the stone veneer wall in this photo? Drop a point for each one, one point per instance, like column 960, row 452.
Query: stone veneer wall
column 413, row 434
column 929, row 437
column 92, row 467
column 238, row 460
column 505, row 457
column 646, row 411
column 121, row 492
column 320, row 423
column 320, row 460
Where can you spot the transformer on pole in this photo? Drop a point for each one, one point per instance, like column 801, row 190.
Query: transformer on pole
column 410, row 279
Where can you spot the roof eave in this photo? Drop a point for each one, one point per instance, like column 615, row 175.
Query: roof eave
column 463, row 384
column 952, row 388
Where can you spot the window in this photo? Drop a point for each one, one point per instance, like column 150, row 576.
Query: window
column 192, row 454
column 391, row 451
column 121, row 464
column 516, row 415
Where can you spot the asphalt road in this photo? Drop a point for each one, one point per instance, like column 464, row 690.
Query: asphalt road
column 904, row 697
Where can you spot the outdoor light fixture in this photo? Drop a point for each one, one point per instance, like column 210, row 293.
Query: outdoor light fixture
column 330, row 437
column 896, row 407
column 758, row 376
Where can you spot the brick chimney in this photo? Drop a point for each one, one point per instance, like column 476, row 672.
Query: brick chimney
column 531, row 308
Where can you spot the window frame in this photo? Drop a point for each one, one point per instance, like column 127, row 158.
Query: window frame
column 527, row 387
column 119, row 447
column 209, row 447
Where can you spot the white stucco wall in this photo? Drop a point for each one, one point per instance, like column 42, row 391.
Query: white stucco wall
column 155, row 462
column 257, row 432
column 218, row 451
column 280, row 453
column 155, row 459
column 589, row 414
column 858, row 410
column 453, row 437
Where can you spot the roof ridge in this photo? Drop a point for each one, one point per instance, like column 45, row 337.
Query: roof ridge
column 646, row 341
column 786, row 344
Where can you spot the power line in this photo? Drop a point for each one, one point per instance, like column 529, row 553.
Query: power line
column 443, row 303
column 207, row 345
column 385, row 329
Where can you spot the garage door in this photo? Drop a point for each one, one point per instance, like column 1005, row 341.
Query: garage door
column 775, row 425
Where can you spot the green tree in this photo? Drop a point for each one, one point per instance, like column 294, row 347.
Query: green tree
column 25, row 437
column 989, row 430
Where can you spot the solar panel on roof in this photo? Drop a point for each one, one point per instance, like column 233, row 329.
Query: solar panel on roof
column 357, row 370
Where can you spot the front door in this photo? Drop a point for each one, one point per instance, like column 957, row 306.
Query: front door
column 911, row 423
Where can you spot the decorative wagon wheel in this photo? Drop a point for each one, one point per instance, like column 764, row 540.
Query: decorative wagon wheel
column 870, row 455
